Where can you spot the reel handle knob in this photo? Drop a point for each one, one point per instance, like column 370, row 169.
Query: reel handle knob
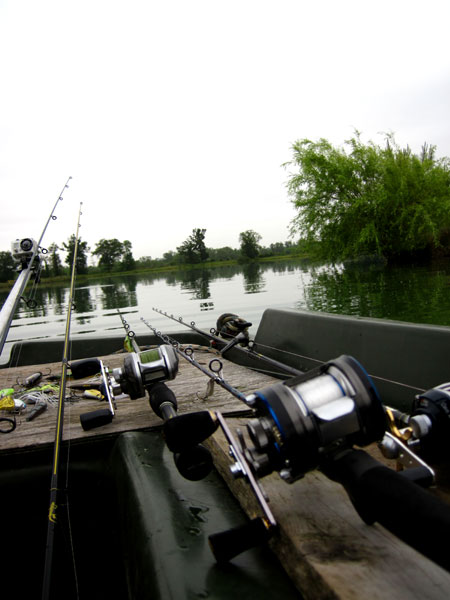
column 85, row 368
column 185, row 431
column 225, row 545
column 96, row 418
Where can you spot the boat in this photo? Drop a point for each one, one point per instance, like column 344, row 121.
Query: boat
column 139, row 529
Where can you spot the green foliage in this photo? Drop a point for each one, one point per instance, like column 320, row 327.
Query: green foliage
column 55, row 267
column 249, row 241
column 7, row 266
column 114, row 254
column 369, row 200
column 82, row 250
column 193, row 250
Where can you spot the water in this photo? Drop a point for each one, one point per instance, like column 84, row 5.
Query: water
column 415, row 293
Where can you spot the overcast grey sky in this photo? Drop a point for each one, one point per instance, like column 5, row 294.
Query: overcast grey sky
column 178, row 114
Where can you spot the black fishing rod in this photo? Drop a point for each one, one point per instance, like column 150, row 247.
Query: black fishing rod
column 54, row 489
column 321, row 420
column 215, row 366
column 240, row 338
column 131, row 344
column 25, row 251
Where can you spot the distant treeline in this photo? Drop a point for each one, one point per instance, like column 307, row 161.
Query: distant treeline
column 115, row 256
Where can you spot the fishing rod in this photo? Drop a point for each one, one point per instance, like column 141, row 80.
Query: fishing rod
column 241, row 337
column 54, row 489
column 314, row 421
column 131, row 344
column 215, row 366
column 26, row 251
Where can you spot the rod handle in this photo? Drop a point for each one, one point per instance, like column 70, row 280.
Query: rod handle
column 85, row 367
column 383, row 495
column 96, row 418
column 194, row 463
column 184, row 431
column 159, row 394
column 225, row 545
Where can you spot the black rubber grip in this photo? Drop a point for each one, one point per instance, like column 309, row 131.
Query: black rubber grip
column 159, row 393
column 85, row 368
column 96, row 418
column 227, row 544
column 185, row 431
column 410, row 512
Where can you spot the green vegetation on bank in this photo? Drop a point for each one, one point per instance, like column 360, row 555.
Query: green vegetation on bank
column 115, row 257
column 370, row 200
column 358, row 200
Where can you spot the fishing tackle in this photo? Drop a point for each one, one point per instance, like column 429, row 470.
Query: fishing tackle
column 139, row 371
column 240, row 338
column 26, row 252
column 314, row 421
column 142, row 373
column 426, row 430
column 54, row 484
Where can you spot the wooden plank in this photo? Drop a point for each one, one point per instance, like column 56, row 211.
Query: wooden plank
column 324, row 546
column 189, row 387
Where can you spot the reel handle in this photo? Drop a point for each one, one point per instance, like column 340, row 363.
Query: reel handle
column 96, row 418
column 392, row 499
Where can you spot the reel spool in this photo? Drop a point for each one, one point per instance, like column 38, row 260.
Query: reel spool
column 299, row 424
column 146, row 368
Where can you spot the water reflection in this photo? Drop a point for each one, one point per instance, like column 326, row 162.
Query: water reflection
column 196, row 282
column 417, row 294
column 118, row 294
column 253, row 280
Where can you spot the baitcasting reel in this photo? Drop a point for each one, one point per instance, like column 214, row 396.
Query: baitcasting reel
column 139, row 371
column 427, row 429
column 314, row 421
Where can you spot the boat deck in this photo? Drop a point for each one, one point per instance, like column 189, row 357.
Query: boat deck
column 322, row 543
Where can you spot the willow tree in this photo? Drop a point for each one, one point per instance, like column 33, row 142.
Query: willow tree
column 367, row 199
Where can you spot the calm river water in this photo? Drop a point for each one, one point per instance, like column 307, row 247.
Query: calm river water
column 418, row 294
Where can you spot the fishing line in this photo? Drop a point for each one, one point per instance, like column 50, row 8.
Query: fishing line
column 54, row 489
column 211, row 373
column 322, row 362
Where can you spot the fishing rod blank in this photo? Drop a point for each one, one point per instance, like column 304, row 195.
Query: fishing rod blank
column 25, row 250
column 54, row 491
column 233, row 344
column 187, row 355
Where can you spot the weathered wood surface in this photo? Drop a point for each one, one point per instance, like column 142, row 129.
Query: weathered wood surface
column 322, row 543
column 326, row 549
column 130, row 414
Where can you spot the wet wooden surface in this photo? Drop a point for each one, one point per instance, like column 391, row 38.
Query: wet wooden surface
column 327, row 550
column 324, row 546
column 189, row 387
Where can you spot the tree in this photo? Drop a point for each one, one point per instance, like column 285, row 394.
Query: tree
column 7, row 266
column 193, row 250
column 82, row 250
column 109, row 251
column 371, row 200
column 128, row 262
column 249, row 240
column 55, row 260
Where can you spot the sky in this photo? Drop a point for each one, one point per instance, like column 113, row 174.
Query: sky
column 171, row 115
